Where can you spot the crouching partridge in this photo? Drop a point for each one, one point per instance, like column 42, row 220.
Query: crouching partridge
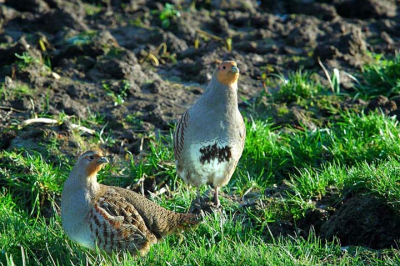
column 209, row 137
column 113, row 218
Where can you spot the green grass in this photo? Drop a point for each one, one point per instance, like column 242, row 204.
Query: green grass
column 117, row 97
column 92, row 9
column 167, row 14
column 271, row 155
column 379, row 179
column 16, row 92
column 298, row 85
column 26, row 60
column 31, row 181
column 309, row 163
column 283, row 173
column 218, row 241
column 381, row 77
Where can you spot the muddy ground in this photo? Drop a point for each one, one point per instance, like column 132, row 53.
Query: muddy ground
column 137, row 65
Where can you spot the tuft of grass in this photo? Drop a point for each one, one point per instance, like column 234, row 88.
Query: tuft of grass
column 379, row 178
column 158, row 168
column 120, row 96
column 32, row 181
column 167, row 14
column 334, row 80
column 265, row 153
column 91, row 9
column 298, row 85
column 381, row 78
column 16, row 92
column 25, row 59
column 157, row 161
column 271, row 155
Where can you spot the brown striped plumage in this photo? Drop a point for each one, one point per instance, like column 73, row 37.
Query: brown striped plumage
column 179, row 134
column 113, row 218
column 117, row 225
column 209, row 137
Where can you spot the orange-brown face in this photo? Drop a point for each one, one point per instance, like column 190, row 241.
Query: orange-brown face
column 93, row 161
column 228, row 73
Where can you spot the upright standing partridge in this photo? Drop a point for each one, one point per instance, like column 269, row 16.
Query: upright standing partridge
column 209, row 137
column 113, row 218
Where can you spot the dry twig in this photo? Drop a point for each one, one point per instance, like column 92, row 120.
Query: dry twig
column 54, row 121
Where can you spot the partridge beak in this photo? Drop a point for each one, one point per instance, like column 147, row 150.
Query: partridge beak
column 102, row 160
column 235, row 69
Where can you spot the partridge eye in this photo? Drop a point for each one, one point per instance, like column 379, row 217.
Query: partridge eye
column 224, row 67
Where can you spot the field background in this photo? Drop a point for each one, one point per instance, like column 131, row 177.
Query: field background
column 318, row 182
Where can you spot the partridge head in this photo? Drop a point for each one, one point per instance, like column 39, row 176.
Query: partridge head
column 113, row 218
column 227, row 73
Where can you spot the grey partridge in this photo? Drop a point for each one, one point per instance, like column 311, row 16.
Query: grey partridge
column 113, row 218
column 209, row 137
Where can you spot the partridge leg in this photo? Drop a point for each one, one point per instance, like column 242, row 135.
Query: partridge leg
column 198, row 196
column 216, row 199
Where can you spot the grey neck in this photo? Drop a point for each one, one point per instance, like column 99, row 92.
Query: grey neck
column 80, row 180
column 217, row 94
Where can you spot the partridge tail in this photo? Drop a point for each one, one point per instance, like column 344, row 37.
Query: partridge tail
column 188, row 220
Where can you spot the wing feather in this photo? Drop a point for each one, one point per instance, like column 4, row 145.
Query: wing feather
column 115, row 224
